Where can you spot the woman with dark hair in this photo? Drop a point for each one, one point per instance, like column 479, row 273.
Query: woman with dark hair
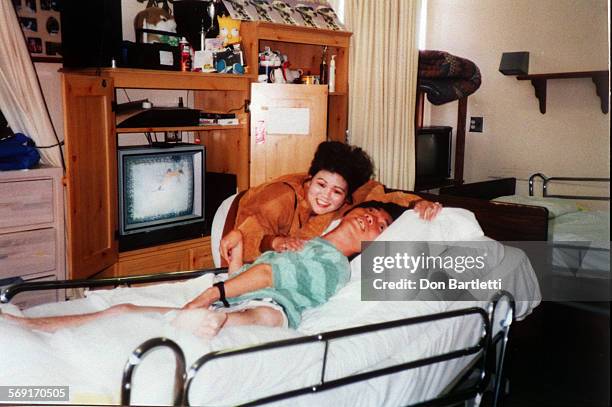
column 282, row 214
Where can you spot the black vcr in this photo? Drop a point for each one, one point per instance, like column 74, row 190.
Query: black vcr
column 160, row 117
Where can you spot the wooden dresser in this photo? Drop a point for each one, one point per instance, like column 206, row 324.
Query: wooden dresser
column 32, row 231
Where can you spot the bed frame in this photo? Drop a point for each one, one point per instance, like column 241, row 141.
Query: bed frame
column 546, row 180
column 499, row 221
column 485, row 374
column 486, row 190
column 531, row 224
column 504, row 222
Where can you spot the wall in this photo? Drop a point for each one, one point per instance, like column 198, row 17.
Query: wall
column 51, row 85
column 572, row 138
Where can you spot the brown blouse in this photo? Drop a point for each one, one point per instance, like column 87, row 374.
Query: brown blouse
column 279, row 208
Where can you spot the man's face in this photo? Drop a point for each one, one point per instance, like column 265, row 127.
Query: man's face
column 365, row 224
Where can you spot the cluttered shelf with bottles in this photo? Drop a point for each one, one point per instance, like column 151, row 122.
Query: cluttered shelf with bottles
column 158, row 79
column 310, row 51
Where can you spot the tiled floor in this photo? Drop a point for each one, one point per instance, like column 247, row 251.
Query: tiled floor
column 560, row 356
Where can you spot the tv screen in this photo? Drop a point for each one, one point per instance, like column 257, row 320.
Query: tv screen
column 160, row 189
column 433, row 154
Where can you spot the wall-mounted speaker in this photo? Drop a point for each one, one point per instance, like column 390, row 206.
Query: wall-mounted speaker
column 514, row 63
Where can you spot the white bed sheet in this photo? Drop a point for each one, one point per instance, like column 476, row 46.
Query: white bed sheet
column 90, row 358
column 589, row 230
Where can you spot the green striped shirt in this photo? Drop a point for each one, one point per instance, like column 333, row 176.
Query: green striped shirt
column 302, row 280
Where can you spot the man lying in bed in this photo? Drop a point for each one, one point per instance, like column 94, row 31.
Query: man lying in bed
column 272, row 291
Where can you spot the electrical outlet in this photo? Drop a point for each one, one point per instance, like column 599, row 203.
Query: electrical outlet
column 476, row 124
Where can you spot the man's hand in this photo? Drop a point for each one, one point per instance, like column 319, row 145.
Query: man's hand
column 205, row 299
column 427, row 210
column 230, row 242
column 287, row 243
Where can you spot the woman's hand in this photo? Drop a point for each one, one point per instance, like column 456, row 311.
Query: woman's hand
column 427, row 210
column 287, row 243
column 231, row 241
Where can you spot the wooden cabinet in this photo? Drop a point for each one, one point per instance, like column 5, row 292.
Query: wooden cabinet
column 300, row 112
column 91, row 148
column 32, row 230
column 91, row 141
column 187, row 255
column 304, row 47
column 91, row 173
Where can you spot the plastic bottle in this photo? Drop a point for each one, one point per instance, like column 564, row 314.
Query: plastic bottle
column 332, row 74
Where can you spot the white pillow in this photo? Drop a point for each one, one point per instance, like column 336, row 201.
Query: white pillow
column 451, row 225
column 216, row 229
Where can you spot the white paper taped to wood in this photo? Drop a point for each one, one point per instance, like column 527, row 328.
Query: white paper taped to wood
column 288, row 120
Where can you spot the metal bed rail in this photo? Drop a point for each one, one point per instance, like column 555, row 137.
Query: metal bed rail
column 8, row 292
column 490, row 367
column 546, row 180
column 579, row 248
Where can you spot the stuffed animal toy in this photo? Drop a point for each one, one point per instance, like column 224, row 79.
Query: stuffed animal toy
column 155, row 18
column 229, row 30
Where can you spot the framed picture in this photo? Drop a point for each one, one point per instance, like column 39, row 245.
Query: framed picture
column 40, row 22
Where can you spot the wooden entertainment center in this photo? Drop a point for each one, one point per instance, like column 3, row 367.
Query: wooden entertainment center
column 91, row 140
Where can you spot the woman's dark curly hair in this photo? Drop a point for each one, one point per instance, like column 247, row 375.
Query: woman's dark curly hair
column 350, row 162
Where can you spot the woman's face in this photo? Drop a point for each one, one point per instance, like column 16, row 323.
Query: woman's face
column 326, row 192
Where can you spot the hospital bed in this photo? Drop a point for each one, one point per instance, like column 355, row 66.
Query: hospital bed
column 346, row 352
column 579, row 238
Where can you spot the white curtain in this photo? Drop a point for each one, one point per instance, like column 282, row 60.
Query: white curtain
column 21, row 99
column 383, row 81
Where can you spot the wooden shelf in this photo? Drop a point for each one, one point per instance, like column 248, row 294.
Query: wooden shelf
column 182, row 128
column 599, row 78
column 156, row 79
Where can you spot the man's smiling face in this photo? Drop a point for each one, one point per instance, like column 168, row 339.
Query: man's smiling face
column 365, row 223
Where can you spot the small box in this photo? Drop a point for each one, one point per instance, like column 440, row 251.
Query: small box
column 204, row 61
column 149, row 56
column 228, row 122
column 514, row 63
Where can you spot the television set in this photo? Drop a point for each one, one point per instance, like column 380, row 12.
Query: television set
column 161, row 194
column 433, row 156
